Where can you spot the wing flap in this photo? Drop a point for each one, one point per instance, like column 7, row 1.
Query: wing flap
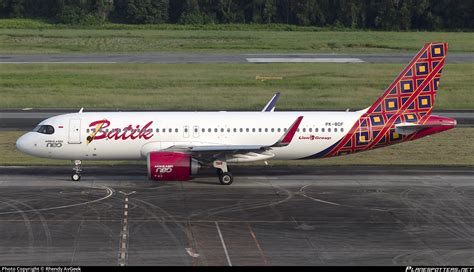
column 231, row 148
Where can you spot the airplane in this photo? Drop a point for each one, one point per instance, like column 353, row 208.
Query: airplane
column 177, row 144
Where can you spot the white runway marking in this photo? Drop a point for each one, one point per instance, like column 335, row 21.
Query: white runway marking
column 322, row 201
column 110, row 193
column 302, row 193
column 123, row 248
column 223, row 244
column 304, row 60
column 191, row 252
column 127, row 194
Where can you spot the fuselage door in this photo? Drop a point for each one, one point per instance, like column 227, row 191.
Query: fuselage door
column 74, row 131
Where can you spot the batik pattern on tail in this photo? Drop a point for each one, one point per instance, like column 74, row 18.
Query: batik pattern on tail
column 410, row 98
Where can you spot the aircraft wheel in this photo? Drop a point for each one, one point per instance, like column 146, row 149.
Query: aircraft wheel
column 226, row 178
column 75, row 177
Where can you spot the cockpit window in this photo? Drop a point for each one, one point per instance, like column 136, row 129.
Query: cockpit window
column 44, row 129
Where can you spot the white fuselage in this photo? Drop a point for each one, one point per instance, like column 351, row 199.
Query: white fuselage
column 317, row 131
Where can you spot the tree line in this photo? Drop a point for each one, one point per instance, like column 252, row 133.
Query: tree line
column 358, row 14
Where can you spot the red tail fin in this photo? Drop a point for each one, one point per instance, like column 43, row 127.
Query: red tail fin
column 409, row 99
column 414, row 90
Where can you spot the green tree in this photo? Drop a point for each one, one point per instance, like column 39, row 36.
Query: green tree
column 191, row 13
column 269, row 11
column 147, row 11
column 103, row 8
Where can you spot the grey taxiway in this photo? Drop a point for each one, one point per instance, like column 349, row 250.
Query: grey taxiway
column 268, row 216
column 181, row 58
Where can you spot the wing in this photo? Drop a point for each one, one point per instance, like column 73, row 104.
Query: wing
column 238, row 152
column 270, row 106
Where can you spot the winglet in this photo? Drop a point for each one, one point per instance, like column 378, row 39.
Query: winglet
column 270, row 106
column 288, row 136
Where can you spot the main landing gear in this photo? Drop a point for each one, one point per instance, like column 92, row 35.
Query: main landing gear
column 225, row 177
column 76, row 175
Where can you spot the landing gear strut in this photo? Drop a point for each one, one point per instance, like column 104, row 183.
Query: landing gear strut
column 225, row 177
column 76, row 175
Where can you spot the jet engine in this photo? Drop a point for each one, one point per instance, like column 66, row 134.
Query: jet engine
column 171, row 166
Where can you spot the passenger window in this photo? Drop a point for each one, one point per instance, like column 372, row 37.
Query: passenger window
column 316, row 130
column 273, row 130
column 266, row 129
column 329, row 129
column 260, row 130
column 322, row 130
column 176, row 130
column 342, row 129
column 253, row 129
column 304, row 129
column 222, row 130
column 209, row 130
column 241, row 130
column 247, row 130
column 310, row 130
column 335, row 129
column 235, row 130
column 279, row 129
column 298, row 130
column 170, row 130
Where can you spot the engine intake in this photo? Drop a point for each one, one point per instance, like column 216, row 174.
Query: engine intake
column 171, row 166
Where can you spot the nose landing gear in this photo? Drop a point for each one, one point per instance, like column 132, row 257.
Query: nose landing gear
column 76, row 175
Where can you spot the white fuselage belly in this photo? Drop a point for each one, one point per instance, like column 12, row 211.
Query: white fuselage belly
column 309, row 140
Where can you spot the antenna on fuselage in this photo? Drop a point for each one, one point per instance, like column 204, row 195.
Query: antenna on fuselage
column 80, row 111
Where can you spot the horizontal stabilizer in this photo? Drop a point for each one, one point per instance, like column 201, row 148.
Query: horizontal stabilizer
column 410, row 128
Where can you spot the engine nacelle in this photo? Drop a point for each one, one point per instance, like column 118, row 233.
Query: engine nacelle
column 171, row 166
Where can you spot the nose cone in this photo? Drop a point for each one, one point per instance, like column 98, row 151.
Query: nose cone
column 24, row 143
